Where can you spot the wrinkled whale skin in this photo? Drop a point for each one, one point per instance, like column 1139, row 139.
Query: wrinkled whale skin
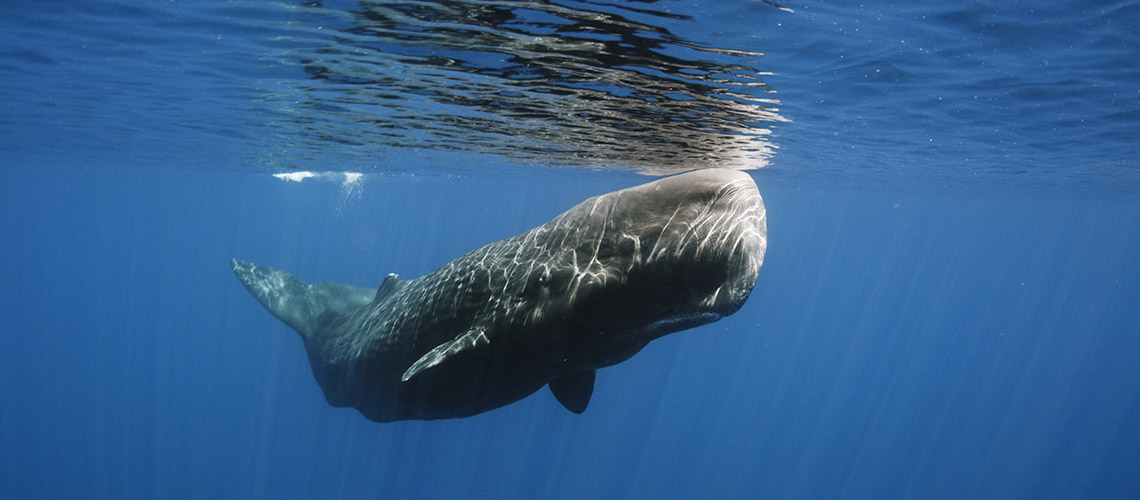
column 586, row 290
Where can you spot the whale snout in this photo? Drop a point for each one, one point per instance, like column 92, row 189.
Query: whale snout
column 680, row 252
column 716, row 238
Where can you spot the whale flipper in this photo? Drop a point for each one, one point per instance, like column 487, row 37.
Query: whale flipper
column 306, row 308
column 447, row 350
column 574, row 391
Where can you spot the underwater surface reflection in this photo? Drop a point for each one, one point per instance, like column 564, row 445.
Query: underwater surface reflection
column 584, row 83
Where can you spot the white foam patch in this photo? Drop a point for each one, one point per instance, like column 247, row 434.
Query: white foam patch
column 294, row 176
column 351, row 183
column 349, row 178
column 351, row 186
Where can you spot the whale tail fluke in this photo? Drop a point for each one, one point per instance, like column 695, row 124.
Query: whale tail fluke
column 308, row 309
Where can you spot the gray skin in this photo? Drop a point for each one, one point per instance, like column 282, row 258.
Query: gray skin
column 584, row 291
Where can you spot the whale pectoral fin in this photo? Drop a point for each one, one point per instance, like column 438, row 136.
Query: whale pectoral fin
column 445, row 351
column 574, row 391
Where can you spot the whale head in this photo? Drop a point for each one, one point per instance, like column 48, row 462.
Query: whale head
column 630, row 266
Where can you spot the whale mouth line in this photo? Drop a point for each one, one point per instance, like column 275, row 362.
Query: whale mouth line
column 678, row 322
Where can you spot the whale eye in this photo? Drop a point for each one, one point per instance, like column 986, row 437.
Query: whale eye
column 546, row 281
column 558, row 279
column 536, row 281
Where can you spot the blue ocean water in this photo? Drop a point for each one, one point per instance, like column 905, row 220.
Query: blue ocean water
column 948, row 307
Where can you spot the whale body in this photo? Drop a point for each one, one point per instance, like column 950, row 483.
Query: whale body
column 549, row 306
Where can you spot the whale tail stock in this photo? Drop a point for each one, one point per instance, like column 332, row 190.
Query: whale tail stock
column 308, row 309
